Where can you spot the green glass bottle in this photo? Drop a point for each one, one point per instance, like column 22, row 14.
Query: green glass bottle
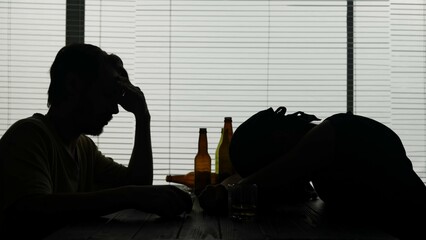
column 225, row 168
column 216, row 165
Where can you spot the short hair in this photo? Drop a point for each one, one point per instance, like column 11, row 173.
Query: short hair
column 81, row 59
column 256, row 142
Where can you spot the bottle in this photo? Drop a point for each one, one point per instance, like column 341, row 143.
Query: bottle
column 188, row 179
column 228, row 125
column 202, row 163
column 225, row 168
column 216, row 165
column 185, row 179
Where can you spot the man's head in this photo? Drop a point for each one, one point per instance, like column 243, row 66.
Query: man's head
column 84, row 85
column 265, row 136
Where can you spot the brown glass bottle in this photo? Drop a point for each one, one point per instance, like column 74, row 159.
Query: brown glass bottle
column 188, row 179
column 202, row 163
column 228, row 125
column 225, row 166
column 185, row 179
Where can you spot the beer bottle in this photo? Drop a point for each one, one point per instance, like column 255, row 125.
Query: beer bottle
column 216, row 165
column 228, row 125
column 185, row 179
column 225, row 166
column 202, row 163
column 188, row 179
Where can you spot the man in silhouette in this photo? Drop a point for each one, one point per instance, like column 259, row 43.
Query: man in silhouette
column 357, row 165
column 52, row 173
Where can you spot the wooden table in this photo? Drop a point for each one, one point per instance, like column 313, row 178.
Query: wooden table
column 292, row 221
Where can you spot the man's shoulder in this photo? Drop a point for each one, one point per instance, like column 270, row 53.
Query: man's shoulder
column 36, row 118
column 34, row 124
column 346, row 118
column 342, row 115
column 350, row 118
column 86, row 141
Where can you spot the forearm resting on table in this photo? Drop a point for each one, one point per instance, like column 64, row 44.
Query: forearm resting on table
column 314, row 152
column 285, row 170
column 233, row 179
column 68, row 206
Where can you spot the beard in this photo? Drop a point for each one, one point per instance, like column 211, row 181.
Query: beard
column 93, row 130
column 92, row 116
column 91, row 122
column 96, row 125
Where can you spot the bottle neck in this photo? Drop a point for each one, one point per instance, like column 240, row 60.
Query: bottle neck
column 202, row 142
column 225, row 136
column 228, row 127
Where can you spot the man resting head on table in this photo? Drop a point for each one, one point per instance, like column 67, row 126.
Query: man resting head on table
column 357, row 166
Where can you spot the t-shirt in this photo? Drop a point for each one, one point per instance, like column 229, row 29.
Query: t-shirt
column 371, row 174
column 35, row 161
column 368, row 157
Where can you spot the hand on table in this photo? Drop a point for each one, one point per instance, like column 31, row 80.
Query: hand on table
column 165, row 201
column 214, row 198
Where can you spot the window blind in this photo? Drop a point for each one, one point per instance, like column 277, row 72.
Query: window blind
column 372, row 81
column 408, row 77
column 390, row 65
column 31, row 33
column 200, row 61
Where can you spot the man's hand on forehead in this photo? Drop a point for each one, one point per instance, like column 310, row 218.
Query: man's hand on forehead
column 122, row 74
column 132, row 98
column 122, row 81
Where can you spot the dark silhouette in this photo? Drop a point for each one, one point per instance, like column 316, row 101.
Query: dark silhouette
column 53, row 174
column 357, row 165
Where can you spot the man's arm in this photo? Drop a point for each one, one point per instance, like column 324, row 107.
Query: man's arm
column 314, row 151
column 140, row 168
column 166, row 201
column 141, row 162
